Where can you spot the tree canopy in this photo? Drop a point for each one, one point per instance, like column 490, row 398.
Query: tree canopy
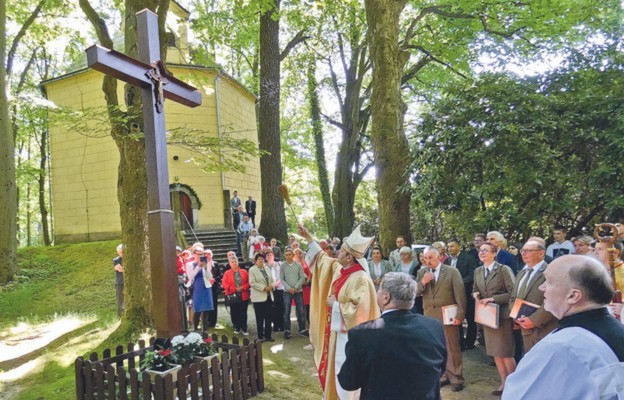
column 523, row 154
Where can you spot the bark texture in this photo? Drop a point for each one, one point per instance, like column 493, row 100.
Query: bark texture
column 273, row 215
column 319, row 147
column 353, row 124
column 132, row 175
column 8, row 187
column 390, row 147
column 41, row 184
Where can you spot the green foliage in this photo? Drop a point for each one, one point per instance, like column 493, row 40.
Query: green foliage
column 520, row 155
column 228, row 35
column 61, row 280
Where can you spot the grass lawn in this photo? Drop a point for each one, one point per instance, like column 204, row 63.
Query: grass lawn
column 63, row 305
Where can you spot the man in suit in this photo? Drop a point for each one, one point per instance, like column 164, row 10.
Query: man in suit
column 238, row 218
column 541, row 322
column 234, row 203
column 502, row 256
column 441, row 285
column 250, row 208
column 466, row 266
column 394, row 257
column 479, row 239
column 399, row 356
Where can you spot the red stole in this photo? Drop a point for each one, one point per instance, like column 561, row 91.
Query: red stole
column 335, row 291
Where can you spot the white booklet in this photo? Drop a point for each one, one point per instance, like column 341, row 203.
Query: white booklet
column 487, row 314
column 449, row 313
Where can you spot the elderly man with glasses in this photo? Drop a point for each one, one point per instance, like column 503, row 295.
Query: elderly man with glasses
column 540, row 323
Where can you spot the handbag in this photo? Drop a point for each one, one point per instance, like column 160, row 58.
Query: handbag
column 234, row 298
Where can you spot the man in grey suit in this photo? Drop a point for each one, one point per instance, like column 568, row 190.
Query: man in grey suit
column 441, row 285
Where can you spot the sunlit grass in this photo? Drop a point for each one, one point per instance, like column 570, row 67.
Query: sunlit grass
column 63, row 306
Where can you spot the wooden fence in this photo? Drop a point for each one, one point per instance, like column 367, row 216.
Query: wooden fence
column 235, row 375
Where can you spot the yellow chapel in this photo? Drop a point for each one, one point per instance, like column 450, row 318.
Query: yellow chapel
column 83, row 166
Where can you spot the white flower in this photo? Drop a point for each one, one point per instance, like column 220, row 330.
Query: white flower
column 177, row 340
column 193, row 338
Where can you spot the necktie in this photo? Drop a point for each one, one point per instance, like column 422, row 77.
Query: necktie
column 487, row 272
column 523, row 288
column 433, row 281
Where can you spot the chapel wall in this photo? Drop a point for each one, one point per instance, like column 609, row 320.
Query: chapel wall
column 84, row 165
column 238, row 116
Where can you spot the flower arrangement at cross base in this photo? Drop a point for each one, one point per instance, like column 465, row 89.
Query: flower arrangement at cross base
column 206, row 348
column 186, row 348
column 158, row 360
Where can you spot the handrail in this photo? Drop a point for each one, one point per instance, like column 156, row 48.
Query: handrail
column 190, row 226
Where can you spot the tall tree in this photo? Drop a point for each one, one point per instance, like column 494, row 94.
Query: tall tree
column 390, row 146
column 273, row 214
column 8, row 185
column 8, row 193
column 132, row 176
column 319, row 146
column 350, row 85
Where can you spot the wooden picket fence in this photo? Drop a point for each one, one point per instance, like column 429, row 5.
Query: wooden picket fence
column 235, row 375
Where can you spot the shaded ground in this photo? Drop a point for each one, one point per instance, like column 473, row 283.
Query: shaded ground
column 481, row 377
column 289, row 368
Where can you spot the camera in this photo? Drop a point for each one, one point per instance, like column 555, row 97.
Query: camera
column 203, row 259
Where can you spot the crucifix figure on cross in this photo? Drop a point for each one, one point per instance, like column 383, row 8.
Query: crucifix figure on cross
column 149, row 73
column 156, row 74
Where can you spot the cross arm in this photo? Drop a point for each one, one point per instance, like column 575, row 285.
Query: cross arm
column 127, row 69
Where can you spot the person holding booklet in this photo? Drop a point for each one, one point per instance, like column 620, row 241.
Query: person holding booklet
column 493, row 284
column 540, row 322
column 442, row 289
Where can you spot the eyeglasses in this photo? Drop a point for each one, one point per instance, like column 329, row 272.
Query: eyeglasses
column 485, row 251
column 528, row 250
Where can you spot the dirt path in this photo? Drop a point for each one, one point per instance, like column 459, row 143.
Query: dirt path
column 290, row 372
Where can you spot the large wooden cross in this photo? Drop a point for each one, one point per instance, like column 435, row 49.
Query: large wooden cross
column 156, row 85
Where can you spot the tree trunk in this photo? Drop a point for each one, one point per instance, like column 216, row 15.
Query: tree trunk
column 273, row 215
column 8, row 193
column 319, row 148
column 132, row 174
column 354, row 116
column 41, row 179
column 390, row 148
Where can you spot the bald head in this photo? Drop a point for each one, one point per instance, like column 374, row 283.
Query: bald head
column 575, row 283
column 588, row 275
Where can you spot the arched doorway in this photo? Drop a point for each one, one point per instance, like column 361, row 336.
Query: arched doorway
column 188, row 203
column 186, row 207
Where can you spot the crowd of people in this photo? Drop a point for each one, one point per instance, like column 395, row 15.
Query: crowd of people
column 346, row 292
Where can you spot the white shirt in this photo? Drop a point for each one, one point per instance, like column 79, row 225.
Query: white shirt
column 376, row 268
column 535, row 268
column 436, row 272
column 406, row 267
column 562, row 366
column 275, row 270
column 453, row 260
column 560, row 249
column 487, row 269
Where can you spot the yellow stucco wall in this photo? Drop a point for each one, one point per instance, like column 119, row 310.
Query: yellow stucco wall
column 84, row 164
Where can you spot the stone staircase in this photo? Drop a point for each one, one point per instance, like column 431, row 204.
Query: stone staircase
column 220, row 241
